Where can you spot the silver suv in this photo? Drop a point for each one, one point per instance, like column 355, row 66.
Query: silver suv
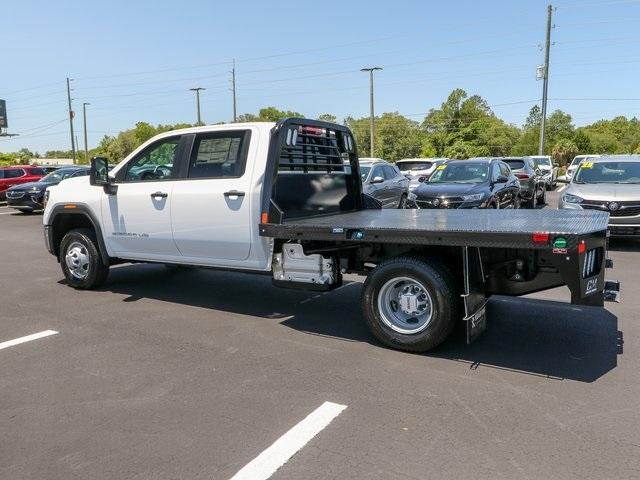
column 610, row 183
column 384, row 182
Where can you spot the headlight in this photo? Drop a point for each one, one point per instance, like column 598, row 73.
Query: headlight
column 476, row 197
column 568, row 198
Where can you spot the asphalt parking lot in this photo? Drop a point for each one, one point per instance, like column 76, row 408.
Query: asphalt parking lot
column 194, row 374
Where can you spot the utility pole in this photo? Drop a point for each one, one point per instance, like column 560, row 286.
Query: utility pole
column 73, row 138
column 197, row 90
column 371, row 109
column 84, row 120
column 545, row 81
column 233, row 89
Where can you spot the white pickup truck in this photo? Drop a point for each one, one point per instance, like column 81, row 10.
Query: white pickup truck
column 286, row 199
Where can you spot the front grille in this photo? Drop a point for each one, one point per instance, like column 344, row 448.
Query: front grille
column 15, row 195
column 624, row 230
column 625, row 209
column 591, row 265
column 451, row 202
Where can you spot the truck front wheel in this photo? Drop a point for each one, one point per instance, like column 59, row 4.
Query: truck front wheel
column 411, row 304
column 80, row 259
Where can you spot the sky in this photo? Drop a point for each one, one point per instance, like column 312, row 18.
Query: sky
column 136, row 60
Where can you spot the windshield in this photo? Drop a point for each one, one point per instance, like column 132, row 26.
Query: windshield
column 404, row 166
column 460, row 173
column 515, row 164
column 577, row 160
column 364, row 172
column 608, row 172
column 57, row 176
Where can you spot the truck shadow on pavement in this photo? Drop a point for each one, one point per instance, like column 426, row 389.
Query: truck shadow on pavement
column 620, row 244
column 529, row 336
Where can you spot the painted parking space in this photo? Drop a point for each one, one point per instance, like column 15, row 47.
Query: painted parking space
column 27, row 338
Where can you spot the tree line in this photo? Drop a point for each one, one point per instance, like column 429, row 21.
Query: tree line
column 462, row 127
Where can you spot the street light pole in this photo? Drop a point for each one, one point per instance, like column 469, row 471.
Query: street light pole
column 197, row 90
column 371, row 109
column 84, row 121
column 545, row 81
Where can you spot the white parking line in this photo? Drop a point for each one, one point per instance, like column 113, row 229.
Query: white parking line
column 28, row 338
column 7, row 213
column 269, row 461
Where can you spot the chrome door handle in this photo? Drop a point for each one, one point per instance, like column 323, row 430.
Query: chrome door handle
column 233, row 193
column 159, row 195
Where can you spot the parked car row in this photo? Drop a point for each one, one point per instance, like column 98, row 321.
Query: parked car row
column 23, row 186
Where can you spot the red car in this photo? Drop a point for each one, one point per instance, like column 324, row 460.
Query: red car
column 10, row 176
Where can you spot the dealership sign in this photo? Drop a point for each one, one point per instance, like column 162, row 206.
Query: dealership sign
column 3, row 114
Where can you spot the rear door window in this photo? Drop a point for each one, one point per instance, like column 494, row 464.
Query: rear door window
column 219, row 155
column 14, row 173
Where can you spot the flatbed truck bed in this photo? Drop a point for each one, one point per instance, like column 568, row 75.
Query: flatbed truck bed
column 470, row 228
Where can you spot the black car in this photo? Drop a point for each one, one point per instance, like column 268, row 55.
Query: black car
column 473, row 183
column 533, row 186
column 28, row 197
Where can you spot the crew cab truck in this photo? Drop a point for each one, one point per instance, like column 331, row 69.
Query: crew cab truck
column 286, row 200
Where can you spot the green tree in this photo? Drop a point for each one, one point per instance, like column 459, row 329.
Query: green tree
column 268, row 114
column 327, row 117
column 564, row 151
column 583, row 141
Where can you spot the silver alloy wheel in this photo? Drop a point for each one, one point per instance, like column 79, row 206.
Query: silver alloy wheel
column 77, row 260
column 405, row 305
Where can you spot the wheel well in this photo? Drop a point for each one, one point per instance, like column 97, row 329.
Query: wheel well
column 64, row 222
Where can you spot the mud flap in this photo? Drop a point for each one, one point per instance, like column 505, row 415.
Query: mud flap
column 475, row 318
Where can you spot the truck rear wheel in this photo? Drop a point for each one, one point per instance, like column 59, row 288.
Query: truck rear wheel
column 80, row 259
column 410, row 303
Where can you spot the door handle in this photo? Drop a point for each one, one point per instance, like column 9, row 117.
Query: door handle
column 233, row 193
column 159, row 195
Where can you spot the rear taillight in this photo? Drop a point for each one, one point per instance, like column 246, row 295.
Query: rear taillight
column 523, row 176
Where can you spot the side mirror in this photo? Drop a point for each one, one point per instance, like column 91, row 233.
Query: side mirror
column 99, row 174
column 422, row 179
column 502, row 179
column 377, row 180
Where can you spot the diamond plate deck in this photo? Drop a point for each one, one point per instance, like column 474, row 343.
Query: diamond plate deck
column 483, row 228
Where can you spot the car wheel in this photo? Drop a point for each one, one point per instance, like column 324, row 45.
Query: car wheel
column 543, row 197
column 80, row 259
column 411, row 303
column 532, row 202
column 403, row 201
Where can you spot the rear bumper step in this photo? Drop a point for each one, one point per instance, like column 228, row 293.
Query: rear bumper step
column 612, row 291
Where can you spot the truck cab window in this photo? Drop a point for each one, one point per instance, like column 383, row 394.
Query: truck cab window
column 154, row 163
column 219, row 156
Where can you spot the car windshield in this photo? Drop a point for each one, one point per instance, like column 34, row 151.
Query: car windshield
column 404, row 166
column 364, row 172
column 57, row 176
column 460, row 173
column 608, row 172
column 515, row 164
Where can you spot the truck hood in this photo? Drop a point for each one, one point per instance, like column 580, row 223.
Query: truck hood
column 430, row 190
column 605, row 191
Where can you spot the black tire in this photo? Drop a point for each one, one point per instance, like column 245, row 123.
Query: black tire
column 96, row 272
column 26, row 212
column 532, row 202
column 441, row 286
column 542, row 200
column 516, row 202
column 403, row 201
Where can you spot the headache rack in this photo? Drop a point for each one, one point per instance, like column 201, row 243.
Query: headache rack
column 312, row 169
